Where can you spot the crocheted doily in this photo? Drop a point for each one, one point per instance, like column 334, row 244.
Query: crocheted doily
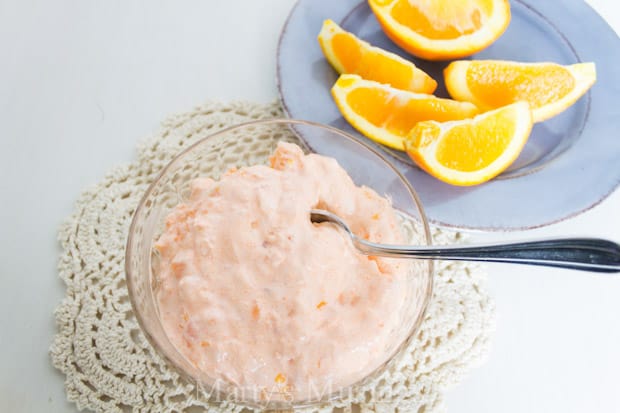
column 110, row 366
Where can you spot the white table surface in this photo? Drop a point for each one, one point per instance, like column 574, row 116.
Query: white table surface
column 82, row 81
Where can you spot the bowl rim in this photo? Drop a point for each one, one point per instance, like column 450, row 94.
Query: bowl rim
column 269, row 405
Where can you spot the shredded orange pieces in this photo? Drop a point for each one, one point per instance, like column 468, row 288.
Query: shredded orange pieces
column 280, row 379
column 255, row 312
column 321, row 304
column 178, row 267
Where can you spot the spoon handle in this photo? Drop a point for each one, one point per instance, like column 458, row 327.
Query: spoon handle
column 587, row 254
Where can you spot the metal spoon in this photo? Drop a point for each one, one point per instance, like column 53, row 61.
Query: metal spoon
column 586, row 254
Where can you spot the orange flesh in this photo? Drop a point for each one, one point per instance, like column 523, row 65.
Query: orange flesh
column 399, row 115
column 348, row 51
column 500, row 84
column 472, row 147
column 442, row 20
column 370, row 64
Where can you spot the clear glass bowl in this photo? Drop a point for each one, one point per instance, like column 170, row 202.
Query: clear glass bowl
column 249, row 144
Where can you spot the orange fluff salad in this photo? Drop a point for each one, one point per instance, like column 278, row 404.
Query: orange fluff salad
column 253, row 293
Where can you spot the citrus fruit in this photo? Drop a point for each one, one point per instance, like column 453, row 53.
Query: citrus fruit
column 386, row 114
column 471, row 151
column 348, row 54
column 442, row 29
column 548, row 87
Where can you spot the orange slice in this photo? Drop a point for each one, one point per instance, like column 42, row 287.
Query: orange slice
column 385, row 114
column 471, row 151
column 348, row 54
column 442, row 29
column 548, row 87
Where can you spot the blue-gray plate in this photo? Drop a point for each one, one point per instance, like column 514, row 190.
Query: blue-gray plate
column 570, row 163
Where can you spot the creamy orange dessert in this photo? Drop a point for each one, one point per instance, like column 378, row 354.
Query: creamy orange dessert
column 254, row 293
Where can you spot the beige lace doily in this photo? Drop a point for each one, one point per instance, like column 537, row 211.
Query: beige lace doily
column 109, row 365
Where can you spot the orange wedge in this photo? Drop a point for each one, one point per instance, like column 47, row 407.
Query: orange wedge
column 472, row 151
column 548, row 87
column 385, row 114
column 348, row 54
column 442, row 29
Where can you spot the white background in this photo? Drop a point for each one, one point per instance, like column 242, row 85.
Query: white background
column 82, row 81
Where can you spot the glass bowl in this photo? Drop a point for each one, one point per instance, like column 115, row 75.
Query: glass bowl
column 249, row 144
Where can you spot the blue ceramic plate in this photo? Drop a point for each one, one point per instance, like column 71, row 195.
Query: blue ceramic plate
column 570, row 163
